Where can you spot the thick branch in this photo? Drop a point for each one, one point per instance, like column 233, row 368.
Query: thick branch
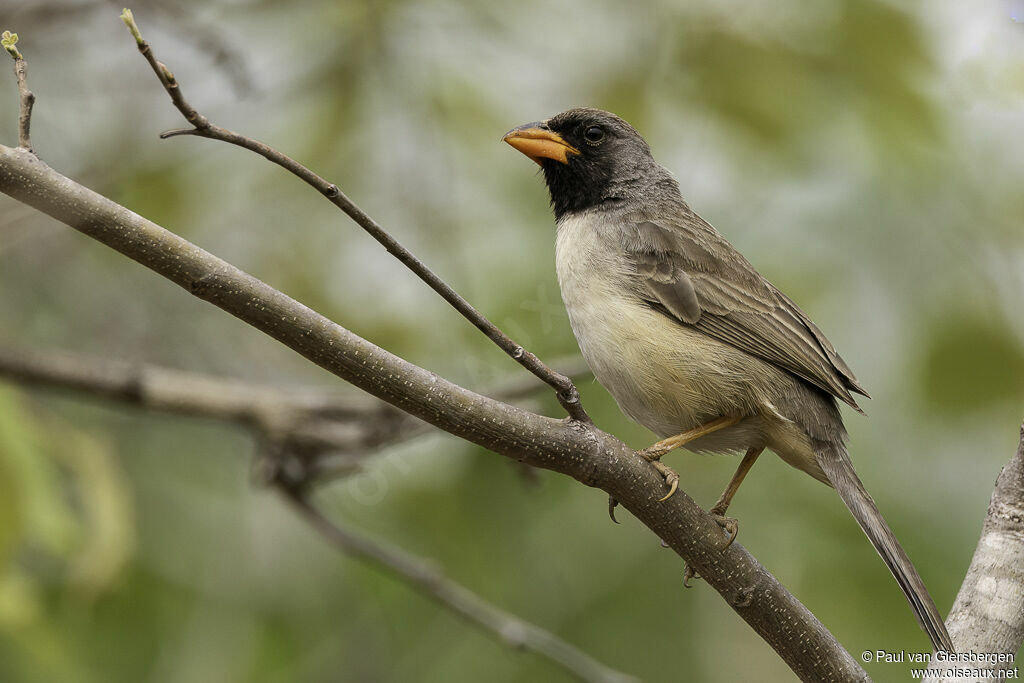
column 430, row 581
column 988, row 615
column 570, row 447
column 564, row 388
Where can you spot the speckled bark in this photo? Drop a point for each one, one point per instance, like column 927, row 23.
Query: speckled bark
column 578, row 450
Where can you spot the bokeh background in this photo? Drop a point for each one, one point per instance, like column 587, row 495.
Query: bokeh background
column 867, row 156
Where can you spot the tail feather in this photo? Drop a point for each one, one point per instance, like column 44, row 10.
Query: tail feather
column 837, row 466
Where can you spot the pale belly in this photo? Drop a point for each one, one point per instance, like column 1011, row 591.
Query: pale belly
column 668, row 380
column 664, row 376
column 672, row 379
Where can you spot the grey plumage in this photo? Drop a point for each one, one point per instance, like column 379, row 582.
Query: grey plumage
column 690, row 262
column 681, row 329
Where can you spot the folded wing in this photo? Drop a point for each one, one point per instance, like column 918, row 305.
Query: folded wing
column 692, row 274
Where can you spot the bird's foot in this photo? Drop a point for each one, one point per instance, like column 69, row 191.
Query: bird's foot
column 671, row 478
column 652, row 455
column 730, row 524
column 689, row 573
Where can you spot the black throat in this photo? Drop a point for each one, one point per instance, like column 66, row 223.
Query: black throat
column 577, row 187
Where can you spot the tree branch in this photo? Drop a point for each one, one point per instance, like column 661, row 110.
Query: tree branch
column 205, row 37
column 571, row 447
column 565, row 390
column 988, row 615
column 311, row 426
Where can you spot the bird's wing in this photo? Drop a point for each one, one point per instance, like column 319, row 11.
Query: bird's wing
column 691, row 273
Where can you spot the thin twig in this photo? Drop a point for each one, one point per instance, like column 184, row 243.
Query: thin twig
column 521, row 386
column 428, row 579
column 568, row 396
column 26, row 98
column 206, row 38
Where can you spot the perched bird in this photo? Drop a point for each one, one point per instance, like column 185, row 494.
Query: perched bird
column 691, row 341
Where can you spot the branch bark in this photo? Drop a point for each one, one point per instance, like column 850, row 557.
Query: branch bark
column 568, row 446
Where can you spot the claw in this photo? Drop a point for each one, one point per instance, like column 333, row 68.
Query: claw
column 673, row 485
column 689, row 573
column 731, row 526
column 671, row 478
column 612, row 504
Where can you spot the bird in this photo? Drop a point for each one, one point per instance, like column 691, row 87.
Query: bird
column 689, row 339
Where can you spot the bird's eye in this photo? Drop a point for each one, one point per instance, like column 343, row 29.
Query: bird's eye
column 594, row 134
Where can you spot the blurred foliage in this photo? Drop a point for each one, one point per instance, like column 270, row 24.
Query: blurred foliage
column 866, row 155
column 66, row 525
column 972, row 366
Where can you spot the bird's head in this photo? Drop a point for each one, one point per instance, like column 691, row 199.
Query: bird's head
column 589, row 157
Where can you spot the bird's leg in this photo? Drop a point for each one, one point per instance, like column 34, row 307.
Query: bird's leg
column 719, row 508
column 653, row 453
column 659, row 449
column 730, row 524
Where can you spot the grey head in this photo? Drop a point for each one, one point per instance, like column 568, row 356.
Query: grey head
column 591, row 158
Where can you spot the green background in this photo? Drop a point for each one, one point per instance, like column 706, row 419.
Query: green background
column 864, row 155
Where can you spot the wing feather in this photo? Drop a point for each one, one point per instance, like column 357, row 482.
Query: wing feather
column 692, row 274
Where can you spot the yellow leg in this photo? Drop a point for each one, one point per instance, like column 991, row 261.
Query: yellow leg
column 673, row 442
column 730, row 525
column 718, row 511
column 734, row 484
column 653, row 453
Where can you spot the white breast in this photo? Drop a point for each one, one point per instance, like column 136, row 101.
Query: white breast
column 618, row 336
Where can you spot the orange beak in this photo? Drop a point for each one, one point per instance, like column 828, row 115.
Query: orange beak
column 537, row 141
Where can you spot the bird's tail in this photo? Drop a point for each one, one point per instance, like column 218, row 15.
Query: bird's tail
column 837, row 466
